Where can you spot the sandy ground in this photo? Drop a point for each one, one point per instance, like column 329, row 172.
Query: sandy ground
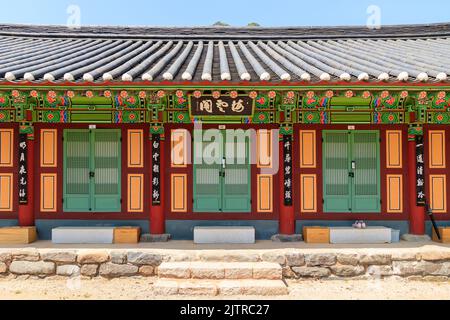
column 141, row 289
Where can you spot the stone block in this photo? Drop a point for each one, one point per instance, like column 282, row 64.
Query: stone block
column 435, row 255
column 375, row 259
column 89, row 257
column 59, row 256
column 320, row 259
column 344, row 235
column 312, row 272
column 238, row 271
column 111, row 270
column 351, row 259
column 118, row 257
column 147, row 271
column 176, row 270
column 224, row 235
column 32, row 267
column 83, row 235
column 144, row 258
column 205, row 270
column 267, row 271
column 68, row 270
column 295, row 259
column 89, row 270
column 347, row 271
column 274, row 256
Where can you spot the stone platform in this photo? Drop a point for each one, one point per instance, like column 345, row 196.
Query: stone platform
column 228, row 271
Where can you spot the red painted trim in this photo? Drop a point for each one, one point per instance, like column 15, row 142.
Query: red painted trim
column 14, row 170
column 60, row 215
column 190, row 215
column 429, row 171
column 320, row 215
column 26, row 212
column 224, row 83
column 287, row 215
column 417, row 214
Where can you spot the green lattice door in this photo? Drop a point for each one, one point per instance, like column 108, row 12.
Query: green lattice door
column 92, row 171
column 351, row 171
column 222, row 184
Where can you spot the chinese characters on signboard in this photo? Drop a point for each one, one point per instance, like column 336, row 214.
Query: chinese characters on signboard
column 420, row 174
column 156, row 174
column 209, row 106
column 287, row 165
column 23, row 174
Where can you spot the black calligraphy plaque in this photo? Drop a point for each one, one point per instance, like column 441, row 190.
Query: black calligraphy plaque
column 287, row 167
column 223, row 106
column 420, row 172
column 23, row 173
column 156, row 172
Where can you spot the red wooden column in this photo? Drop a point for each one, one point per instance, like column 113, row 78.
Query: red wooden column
column 416, row 213
column 26, row 211
column 287, row 214
column 157, row 218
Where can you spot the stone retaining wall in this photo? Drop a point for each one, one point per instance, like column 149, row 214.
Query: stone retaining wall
column 433, row 264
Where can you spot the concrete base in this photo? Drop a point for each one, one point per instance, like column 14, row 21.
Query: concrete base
column 360, row 236
column 155, row 237
column 83, row 235
column 416, row 238
column 224, row 235
column 287, row 238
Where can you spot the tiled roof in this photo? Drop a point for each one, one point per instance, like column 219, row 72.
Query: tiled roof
column 98, row 54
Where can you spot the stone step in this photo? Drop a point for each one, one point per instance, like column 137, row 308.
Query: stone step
column 195, row 287
column 220, row 270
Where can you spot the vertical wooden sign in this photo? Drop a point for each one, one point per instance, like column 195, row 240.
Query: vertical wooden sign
column 420, row 173
column 23, row 174
column 156, row 173
column 287, row 165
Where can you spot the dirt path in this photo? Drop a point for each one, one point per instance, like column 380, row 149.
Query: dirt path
column 141, row 289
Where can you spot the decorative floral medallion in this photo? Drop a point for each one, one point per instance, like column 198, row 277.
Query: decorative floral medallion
column 272, row 94
column 123, row 94
column 70, row 94
column 404, row 94
column 366, row 94
column 197, row 94
column 89, row 94
column 384, row 94
column 349, row 94
column 15, row 93
column 290, row 94
column 216, row 94
column 234, row 94
column 179, row 94
column 253, row 94
column 107, row 94
column 423, row 95
column 310, row 94
column 34, row 94
column 161, row 94
column 329, row 94
column 142, row 94
column 441, row 95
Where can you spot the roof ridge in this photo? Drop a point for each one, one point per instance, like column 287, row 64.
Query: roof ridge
column 228, row 32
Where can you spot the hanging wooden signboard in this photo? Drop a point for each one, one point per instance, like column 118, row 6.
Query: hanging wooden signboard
column 287, row 165
column 23, row 173
column 420, row 172
column 156, row 173
column 223, row 106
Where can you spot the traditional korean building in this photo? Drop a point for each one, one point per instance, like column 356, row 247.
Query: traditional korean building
column 350, row 124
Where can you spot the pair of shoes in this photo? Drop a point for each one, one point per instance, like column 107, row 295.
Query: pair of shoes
column 359, row 224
